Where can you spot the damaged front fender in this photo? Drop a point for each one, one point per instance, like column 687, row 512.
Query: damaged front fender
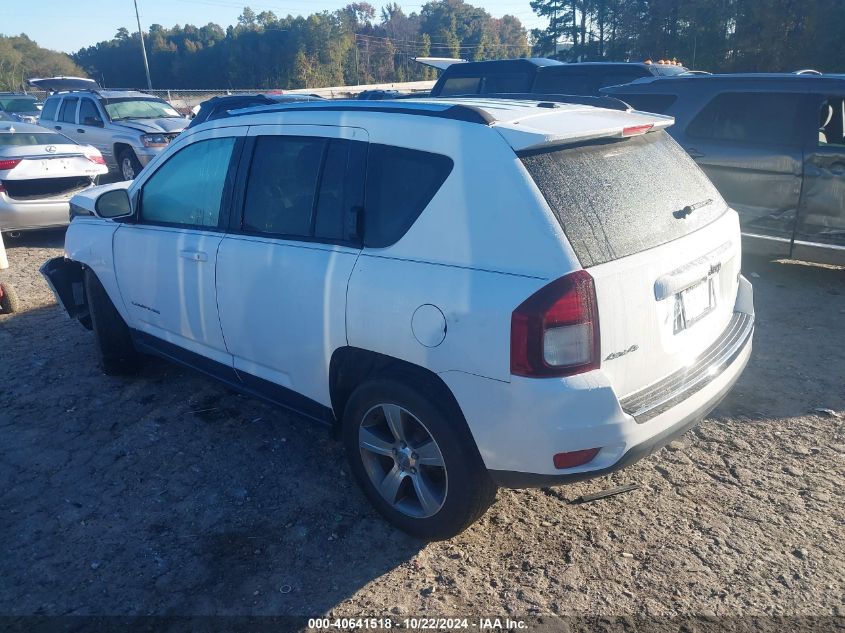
column 65, row 278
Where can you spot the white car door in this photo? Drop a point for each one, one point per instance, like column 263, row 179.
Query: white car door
column 283, row 268
column 165, row 261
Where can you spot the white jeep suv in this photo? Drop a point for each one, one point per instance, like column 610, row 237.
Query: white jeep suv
column 480, row 293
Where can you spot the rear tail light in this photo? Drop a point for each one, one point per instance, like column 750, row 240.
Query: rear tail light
column 95, row 157
column 555, row 332
column 636, row 130
column 575, row 458
column 10, row 163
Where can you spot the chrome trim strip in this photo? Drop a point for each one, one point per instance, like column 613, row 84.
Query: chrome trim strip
column 650, row 402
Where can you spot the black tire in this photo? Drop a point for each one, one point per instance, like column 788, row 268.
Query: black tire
column 117, row 354
column 9, row 302
column 469, row 491
column 128, row 156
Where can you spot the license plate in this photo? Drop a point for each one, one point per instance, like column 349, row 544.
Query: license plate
column 52, row 165
column 695, row 302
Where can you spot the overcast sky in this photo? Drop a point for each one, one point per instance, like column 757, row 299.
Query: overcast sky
column 68, row 25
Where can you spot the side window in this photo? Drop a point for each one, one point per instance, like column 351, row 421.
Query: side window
column 460, row 86
column 341, row 189
column 400, row 184
column 68, row 112
column 656, row 103
column 304, row 187
column 512, row 83
column 49, row 110
column 564, row 83
column 832, row 122
column 88, row 112
column 188, row 188
column 282, row 185
column 753, row 117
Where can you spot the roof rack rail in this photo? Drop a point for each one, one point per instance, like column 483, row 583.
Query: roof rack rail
column 608, row 103
column 455, row 112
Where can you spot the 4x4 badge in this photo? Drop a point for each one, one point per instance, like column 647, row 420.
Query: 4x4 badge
column 616, row 355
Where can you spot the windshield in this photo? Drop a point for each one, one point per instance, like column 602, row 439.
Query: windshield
column 133, row 108
column 18, row 104
column 34, row 138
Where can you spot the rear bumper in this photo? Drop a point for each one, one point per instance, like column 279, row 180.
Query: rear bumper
column 520, row 425
column 23, row 215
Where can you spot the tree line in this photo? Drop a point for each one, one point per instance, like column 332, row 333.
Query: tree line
column 350, row 46
column 714, row 35
column 358, row 45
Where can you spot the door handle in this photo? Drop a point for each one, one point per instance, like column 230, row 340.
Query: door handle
column 694, row 153
column 196, row 256
column 80, row 131
column 58, row 127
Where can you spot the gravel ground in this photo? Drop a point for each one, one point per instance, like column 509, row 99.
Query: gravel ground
column 167, row 494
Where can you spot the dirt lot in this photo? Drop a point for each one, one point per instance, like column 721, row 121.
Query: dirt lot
column 166, row 494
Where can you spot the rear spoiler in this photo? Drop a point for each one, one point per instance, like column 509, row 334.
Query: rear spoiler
column 565, row 127
column 610, row 103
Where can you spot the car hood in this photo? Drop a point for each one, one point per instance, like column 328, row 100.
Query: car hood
column 164, row 124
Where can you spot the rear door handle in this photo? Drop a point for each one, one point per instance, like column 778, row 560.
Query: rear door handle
column 80, row 131
column 196, row 256
column 694, row 153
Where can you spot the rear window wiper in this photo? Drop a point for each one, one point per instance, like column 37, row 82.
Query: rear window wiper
column 687, row 210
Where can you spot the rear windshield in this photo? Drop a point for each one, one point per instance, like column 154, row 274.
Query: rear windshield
column 18, row 104
column 614, row 198
column 37, row 138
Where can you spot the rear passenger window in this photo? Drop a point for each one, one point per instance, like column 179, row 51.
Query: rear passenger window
column 49, row 110
column 648, row 102
column 304, row 187
column 754, row 117
column 187, row 190
column 400, row 184
column 68, row 111
column 460, row 86
column 282, row 185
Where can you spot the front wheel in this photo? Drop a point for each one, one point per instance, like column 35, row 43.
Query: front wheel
column 415, row 459
column 129, row 164
column 114, row 343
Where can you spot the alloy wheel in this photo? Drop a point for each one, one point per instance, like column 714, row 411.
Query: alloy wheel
column 402, row 460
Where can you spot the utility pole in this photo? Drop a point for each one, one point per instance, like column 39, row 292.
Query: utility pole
column 143, row 48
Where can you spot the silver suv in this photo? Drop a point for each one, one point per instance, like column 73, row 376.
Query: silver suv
column 128, row 127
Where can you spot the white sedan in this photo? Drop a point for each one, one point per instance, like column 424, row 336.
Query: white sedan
column 40, row 170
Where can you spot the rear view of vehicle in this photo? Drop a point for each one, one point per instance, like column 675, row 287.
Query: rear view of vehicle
column 39, row 172
column 652, row 332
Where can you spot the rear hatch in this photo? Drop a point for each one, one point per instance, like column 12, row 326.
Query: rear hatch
column 659, row 241
column 30, row 172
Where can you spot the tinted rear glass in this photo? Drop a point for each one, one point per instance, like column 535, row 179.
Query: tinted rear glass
column 37, row 138
column 400, row 184
column 460, row 86
column 618, row 197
